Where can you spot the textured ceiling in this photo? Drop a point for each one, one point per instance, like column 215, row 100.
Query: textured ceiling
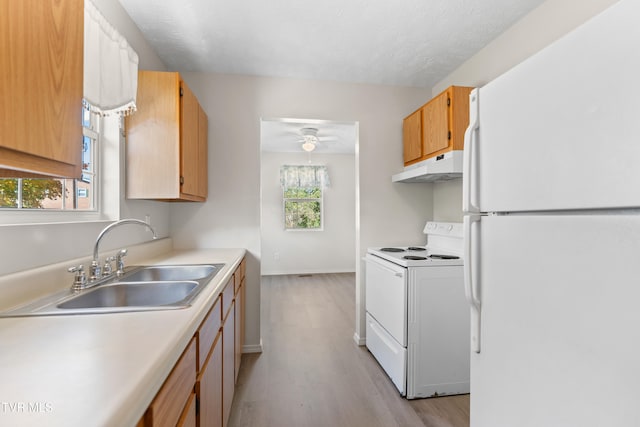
column 407, row 42
column 393, row 42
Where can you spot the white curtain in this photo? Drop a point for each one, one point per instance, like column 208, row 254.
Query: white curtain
column 304, row 176
column 110, row 66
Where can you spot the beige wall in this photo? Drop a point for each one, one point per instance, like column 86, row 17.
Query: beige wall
column 386, row 212
column 539, row 28
column 548, row 22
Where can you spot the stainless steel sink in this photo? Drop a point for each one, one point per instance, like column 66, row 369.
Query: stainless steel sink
column 140, row 294
column 143, row 288
column 169, row 273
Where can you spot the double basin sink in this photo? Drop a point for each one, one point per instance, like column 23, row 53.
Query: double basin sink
column 145, row 288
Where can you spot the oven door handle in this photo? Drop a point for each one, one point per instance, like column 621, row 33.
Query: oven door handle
column 382, row 335
column 384, row 267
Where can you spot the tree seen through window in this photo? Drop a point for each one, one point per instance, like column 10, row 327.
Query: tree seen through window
column 303, row 208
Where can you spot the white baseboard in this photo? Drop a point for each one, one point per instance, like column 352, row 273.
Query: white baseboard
column 252, row 348
column 360, row 341
column 298, row 272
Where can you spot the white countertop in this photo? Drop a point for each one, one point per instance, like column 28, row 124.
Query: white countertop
column 102, row 369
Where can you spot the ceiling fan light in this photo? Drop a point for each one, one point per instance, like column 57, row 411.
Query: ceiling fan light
column 309, row 139
column 308, row 146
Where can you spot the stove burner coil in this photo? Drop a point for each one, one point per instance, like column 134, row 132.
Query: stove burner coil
column 416, row 248
column 392, row 250
column 414, row 258
column 437, row 256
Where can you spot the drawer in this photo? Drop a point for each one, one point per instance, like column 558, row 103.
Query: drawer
column 208, row 331
column 168, row 405
column 388, row 352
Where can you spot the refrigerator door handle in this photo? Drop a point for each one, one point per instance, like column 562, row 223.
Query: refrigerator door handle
column 469, row 195
column 471, row 280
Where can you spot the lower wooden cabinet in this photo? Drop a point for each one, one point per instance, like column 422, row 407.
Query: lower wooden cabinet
column 239, row 326
column 228, row 363
column 199, row 390
column 209, row 388
column 188, row 418
column 240, row 304
column 172, row 400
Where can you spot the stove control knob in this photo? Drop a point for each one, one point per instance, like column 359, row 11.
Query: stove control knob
column 450, row 228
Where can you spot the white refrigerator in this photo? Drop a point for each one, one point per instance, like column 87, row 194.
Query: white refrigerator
column 551, row 194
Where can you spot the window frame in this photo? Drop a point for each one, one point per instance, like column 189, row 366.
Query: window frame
column 320, row 200
column 95, row 130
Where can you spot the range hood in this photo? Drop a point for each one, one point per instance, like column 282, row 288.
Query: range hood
column 440, row 168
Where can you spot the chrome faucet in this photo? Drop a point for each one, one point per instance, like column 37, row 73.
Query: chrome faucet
column 120, row 262
column 96, row 271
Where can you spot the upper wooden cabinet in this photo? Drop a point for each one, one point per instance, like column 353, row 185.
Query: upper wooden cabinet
column 41, row 79
column 166, row 141
column 438, row 126
column 412, row 137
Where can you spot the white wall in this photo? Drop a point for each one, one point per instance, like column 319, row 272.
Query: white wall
column 390, row 213
column 27, row 246
column 543, row 25
column 331, row 250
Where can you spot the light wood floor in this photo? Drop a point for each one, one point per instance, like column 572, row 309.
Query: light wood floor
column 312, row 374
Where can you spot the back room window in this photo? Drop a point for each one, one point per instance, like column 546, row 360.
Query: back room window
column 303, row 208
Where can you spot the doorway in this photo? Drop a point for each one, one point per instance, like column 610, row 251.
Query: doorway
column 326, row 243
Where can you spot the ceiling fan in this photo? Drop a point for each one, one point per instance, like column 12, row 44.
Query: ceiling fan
column 310, row 139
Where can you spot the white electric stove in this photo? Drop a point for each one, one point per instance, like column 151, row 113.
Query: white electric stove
column 444, row 247
column 417, row 317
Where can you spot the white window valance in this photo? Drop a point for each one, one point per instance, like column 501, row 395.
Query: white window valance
column 110, row 66
column 306, row 176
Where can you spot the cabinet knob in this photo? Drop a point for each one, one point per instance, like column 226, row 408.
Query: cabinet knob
column 181, row 180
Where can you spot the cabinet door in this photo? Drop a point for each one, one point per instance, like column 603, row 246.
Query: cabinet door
column 41, row 54
column 243, row 324
column 228, row 359
column 209, row 388
column 412, row 137
column 458, row 115
column 189, row 417
column 239, row 327
column 166, row 141
column 208, row 332
column 153, row 132
column 203, row 160
column 168, row 405
column 189, row 152
column 435, row 125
